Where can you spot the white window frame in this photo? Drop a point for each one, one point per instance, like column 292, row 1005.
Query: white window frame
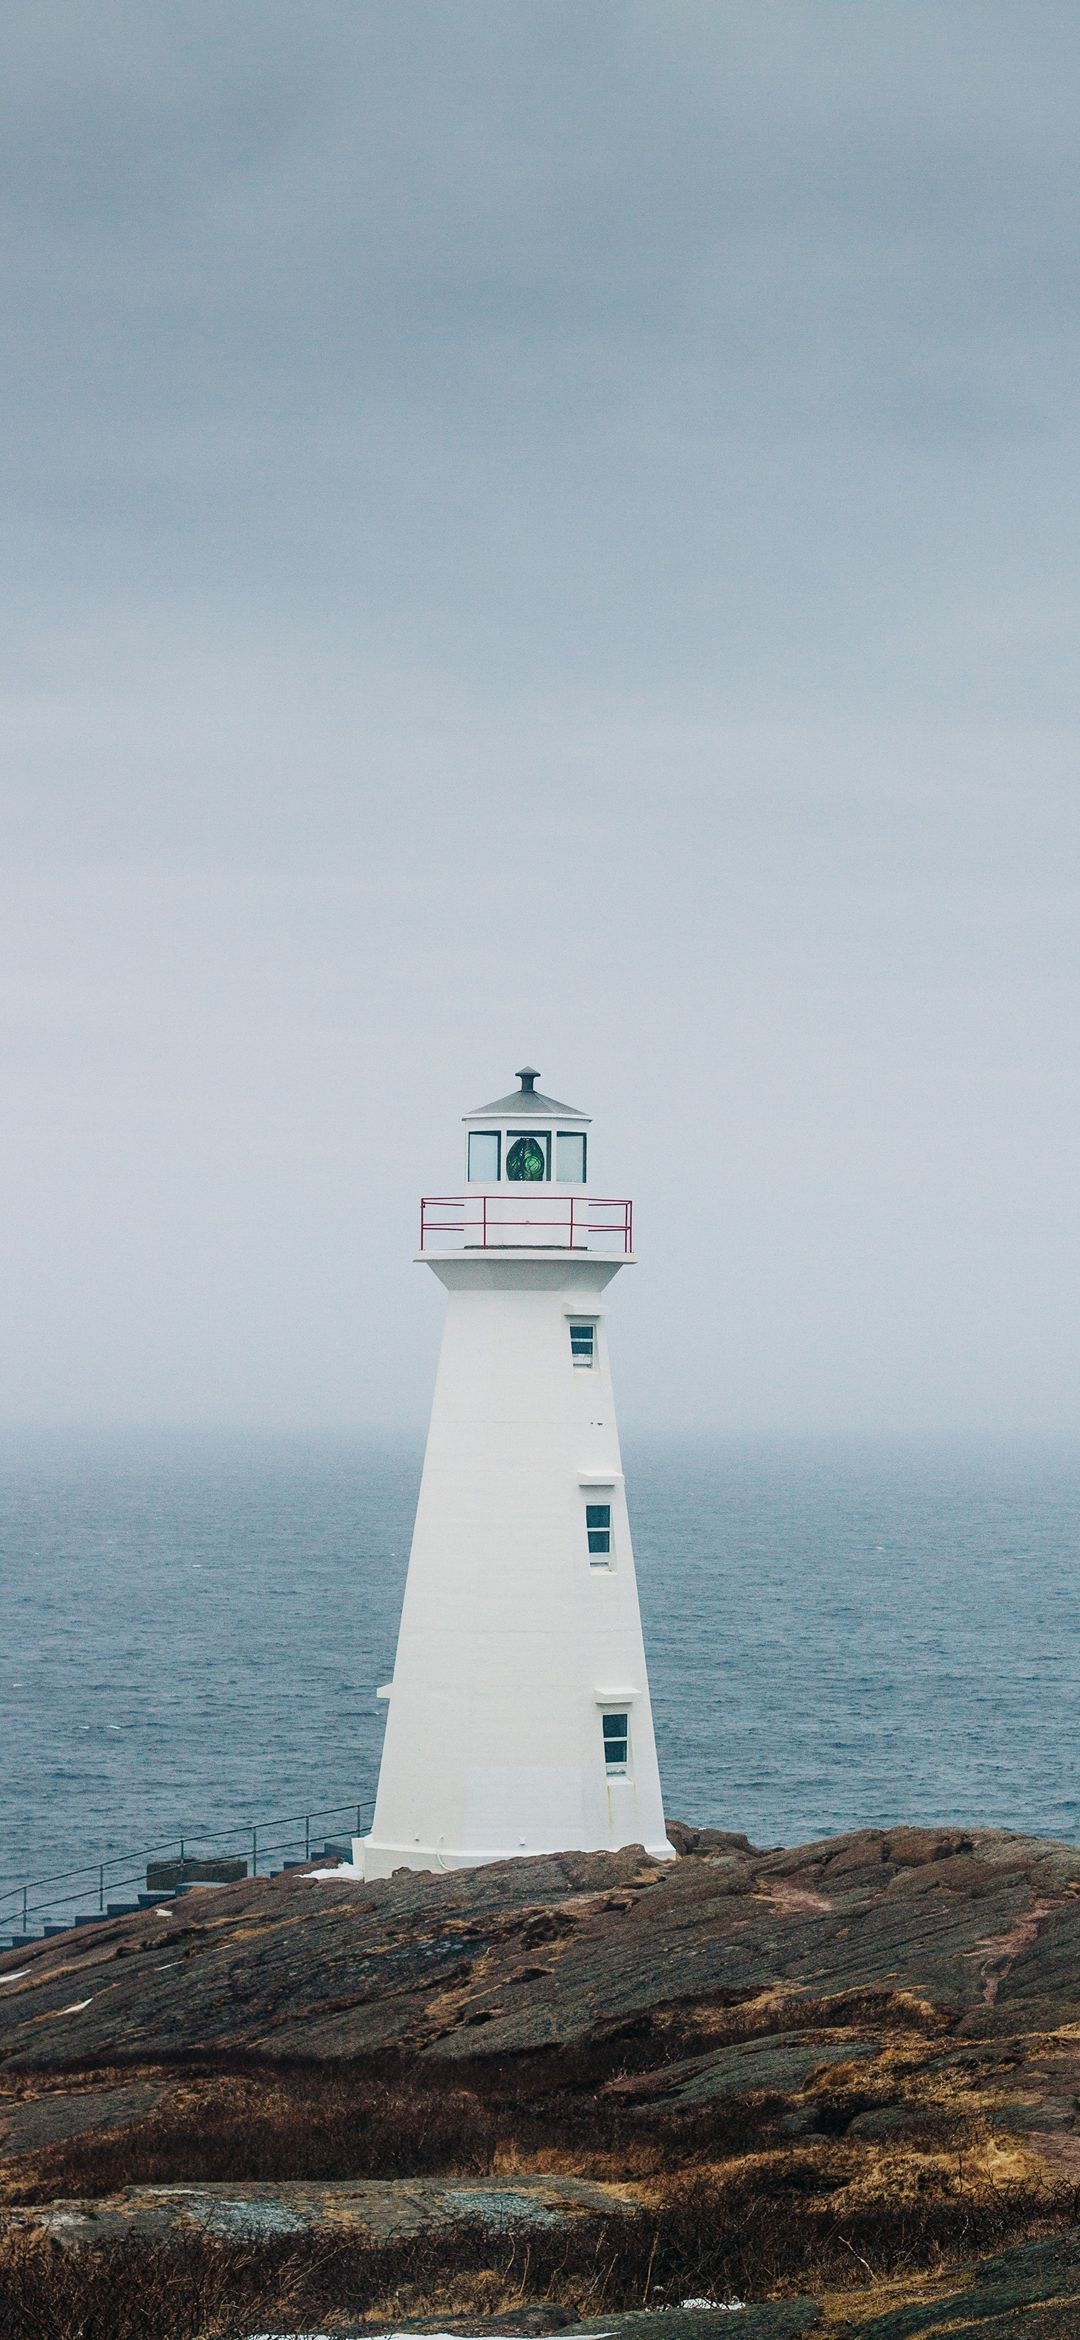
column 602, row 1499
column 600, row 1487
column 616, row 1714
column 584, row 1324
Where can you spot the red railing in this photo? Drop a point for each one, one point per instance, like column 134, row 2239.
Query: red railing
column 556, row 1222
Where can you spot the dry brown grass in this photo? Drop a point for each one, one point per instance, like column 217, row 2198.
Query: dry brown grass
column 754, row 2229
column 732, row 2201
column 389, row 2119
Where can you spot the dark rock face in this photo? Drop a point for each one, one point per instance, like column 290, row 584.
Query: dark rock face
column 1028, row 2294
column 860, row 2051
column 778, row 2064
column 49, row 2120
column 982, row 1932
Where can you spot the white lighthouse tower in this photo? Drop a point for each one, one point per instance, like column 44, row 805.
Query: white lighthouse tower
column 519, row 1718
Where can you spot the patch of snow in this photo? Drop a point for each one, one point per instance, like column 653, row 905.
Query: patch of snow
column 75, row 2008
column 729, row 2306
column 15, row 1977
column 325, row 1876
column 726, row 2305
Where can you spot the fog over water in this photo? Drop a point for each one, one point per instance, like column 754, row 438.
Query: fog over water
column 541, row 534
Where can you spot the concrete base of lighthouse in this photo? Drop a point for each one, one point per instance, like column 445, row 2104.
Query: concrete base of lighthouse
column 516, row 1639
column 372, row 1860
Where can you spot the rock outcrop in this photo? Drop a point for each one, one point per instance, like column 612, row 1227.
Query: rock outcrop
column 861, row 2053
column 983, row 1931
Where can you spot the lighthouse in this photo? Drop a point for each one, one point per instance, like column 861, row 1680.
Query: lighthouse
column 518, row 1717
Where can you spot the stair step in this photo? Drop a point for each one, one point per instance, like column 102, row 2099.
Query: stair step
column 230, row 1870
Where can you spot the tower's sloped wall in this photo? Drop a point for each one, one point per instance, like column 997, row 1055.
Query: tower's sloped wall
column 514, row 1639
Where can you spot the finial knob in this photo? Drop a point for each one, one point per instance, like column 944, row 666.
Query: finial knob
column 528, row 1076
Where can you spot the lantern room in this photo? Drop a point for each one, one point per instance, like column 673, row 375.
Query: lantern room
column 526, row 1139
column 526, row 1183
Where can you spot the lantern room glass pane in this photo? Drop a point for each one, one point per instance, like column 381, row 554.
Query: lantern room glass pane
column 570, row 1157
column 484, row 1156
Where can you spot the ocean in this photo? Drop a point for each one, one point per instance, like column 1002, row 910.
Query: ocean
column 193, row 1629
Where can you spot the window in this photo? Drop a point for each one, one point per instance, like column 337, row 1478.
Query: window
column 616, row 1728
column 484, row 1149
column 570, row 1157
column 583, row 1344
column 598, row 1530
column 528, row 1153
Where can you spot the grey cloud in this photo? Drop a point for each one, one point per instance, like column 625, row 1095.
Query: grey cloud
column 540, row 532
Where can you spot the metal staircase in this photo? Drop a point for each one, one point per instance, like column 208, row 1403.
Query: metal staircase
column 44, row 1906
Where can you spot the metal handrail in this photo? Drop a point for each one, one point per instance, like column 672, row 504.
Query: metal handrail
column 96, row 1877
column 490, row 1217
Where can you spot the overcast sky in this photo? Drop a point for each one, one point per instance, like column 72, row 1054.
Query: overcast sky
column 541, row 532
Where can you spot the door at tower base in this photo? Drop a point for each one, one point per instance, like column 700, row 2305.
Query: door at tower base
column 518, row 1718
